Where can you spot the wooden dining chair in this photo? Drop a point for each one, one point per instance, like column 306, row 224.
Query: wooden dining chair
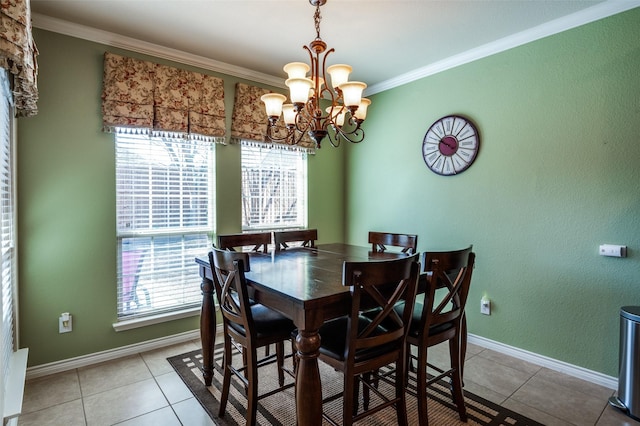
column 247, row 327
column 259, row 240
column 440, row 318
column 305, row 238
column 359, row 345
column 380, row 240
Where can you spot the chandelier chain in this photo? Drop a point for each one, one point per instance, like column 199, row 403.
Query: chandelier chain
column 316, row 19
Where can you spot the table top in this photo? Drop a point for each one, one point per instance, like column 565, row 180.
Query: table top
column 304, row 275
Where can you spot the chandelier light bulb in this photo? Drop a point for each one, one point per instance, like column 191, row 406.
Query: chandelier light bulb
column 299, row 89
column 339, row 74
column 361, row 112
column 273, row 103
column 289, row 114
column 352, row 92
column 296, row 69
column 339, row 114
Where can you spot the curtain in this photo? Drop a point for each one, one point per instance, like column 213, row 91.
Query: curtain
column 18, row 54
column 152, row 97
column 249, row 120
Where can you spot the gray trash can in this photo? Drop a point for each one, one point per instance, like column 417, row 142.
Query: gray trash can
column 628, row 399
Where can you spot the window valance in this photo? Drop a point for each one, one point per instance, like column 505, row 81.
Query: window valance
column 160, row 98
column 249, row 119
column 18, row 54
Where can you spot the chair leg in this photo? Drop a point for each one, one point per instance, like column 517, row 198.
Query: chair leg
column 421, row 385
column 280, row 362
column 401, row 405
column 226, row 380
column 348, row 399
column 252, row 391
column 456, row 376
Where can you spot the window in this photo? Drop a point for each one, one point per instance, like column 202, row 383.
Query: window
column 274, row 188
column 165, row 218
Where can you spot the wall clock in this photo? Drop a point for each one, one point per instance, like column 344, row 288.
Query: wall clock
column 450, row 145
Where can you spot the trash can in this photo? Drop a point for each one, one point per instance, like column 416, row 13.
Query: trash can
column 628, row 399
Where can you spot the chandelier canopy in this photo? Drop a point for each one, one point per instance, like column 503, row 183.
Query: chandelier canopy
column 315, row 107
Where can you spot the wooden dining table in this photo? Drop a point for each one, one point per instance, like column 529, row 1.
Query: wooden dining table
column 304, row 284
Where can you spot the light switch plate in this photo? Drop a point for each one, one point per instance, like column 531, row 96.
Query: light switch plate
column 613, row 250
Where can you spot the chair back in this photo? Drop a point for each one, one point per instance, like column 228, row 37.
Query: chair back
column 259, row 240
column 376, row 288
column 228, row 269
column 451, row 273
column 379, row 241
column 307, row 238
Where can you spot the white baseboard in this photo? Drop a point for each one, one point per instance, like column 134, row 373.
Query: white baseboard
column 108, row 355
column 553, row 364
column 85, row 360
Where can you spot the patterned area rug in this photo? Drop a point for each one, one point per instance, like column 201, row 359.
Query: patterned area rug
column 279, row 409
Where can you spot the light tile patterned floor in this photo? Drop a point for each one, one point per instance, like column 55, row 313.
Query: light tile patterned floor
column 144, row 390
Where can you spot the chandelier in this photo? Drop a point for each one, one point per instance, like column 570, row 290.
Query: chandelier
column 316, row 107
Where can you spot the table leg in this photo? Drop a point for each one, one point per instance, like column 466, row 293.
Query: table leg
column 207, row 329
column 309, row 401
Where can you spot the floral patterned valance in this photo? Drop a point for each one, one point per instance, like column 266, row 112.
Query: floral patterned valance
column 249, row 120
column 18, row 54
column 160, row 98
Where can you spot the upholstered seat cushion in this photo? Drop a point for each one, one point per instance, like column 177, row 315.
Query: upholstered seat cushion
column 333, row 338
column 415, row 328
column 267, row 322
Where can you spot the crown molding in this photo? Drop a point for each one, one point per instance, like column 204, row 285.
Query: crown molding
column 591, row 14
column 115, row 40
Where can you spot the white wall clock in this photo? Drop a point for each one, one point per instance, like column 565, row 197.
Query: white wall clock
column 450, row 145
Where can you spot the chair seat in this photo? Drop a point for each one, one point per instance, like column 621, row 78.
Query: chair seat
column 334, row 338
column 415, row 328
column 267, row 322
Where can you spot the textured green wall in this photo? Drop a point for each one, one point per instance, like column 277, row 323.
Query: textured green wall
column 66, row 197
column 557, row 174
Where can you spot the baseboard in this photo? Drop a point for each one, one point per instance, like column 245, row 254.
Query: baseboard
column 541, row 360
column 111, row 354
column 86, row 360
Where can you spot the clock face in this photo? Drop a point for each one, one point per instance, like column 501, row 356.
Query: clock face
column 450, row 145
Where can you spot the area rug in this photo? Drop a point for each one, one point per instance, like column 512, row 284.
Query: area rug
column 279, row 409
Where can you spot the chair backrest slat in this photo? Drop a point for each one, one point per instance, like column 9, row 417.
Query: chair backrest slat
column 377, row 287
column 228, row 269
column 307, row 238
column 380, row 240
column 450, row 272
column 259, row 240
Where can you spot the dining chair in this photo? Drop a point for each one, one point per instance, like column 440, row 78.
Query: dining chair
column 359, row 345
column 306, row 238
column 380, row 240
column 246, row 327
column 440, row 317
column 259, row 240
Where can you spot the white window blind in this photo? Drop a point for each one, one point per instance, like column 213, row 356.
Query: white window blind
column 165, row 218
column 274, row 188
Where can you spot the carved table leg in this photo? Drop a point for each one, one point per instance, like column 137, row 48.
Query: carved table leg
column 308, row 385
column 207, row 328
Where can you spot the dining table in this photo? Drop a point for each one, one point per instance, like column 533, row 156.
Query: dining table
column 305, row 285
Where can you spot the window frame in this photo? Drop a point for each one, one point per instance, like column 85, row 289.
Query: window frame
column 300, row 158
column 176, row 232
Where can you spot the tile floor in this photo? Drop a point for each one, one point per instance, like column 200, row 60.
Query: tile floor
column 144, row 390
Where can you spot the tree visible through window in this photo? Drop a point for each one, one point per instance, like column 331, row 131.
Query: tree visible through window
column 164, row 220
column 274, row 188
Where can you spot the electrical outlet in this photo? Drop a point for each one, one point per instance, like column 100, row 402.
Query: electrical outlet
column 485, row 306
column 64, row 323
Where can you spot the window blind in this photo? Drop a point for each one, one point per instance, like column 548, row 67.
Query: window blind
column 164, row 205
column 274, row 187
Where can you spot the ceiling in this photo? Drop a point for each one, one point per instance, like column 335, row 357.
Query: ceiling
column 384, row 40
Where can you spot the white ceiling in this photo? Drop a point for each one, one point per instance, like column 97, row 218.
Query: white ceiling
column 386, row 41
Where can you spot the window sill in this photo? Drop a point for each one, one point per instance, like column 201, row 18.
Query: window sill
column 155, row 319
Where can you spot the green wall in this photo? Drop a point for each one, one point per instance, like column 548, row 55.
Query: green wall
column 557, row 175
column 66, row 202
